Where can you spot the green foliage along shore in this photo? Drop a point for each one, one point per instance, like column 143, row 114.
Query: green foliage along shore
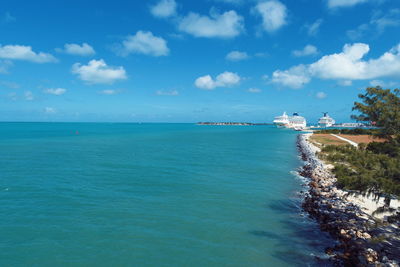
column 372, row 168
column 364, row 170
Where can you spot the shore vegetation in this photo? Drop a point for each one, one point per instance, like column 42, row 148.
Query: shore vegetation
column 372, row 168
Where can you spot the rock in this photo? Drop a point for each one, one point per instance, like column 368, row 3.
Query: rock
column 366, row 236
column 371, row 255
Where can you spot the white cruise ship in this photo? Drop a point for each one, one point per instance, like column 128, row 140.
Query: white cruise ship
column 282, row 121
column 297, row 122
column 326, row 121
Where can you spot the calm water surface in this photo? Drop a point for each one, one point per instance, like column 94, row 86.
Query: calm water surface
column 88, row 194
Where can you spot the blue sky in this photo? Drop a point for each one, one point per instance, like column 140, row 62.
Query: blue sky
column 189, row 61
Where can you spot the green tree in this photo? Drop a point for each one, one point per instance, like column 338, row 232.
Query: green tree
column 381, row 107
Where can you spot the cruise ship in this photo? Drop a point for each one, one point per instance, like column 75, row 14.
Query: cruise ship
column 297, row 122
column 326, row 121
column 282, row 121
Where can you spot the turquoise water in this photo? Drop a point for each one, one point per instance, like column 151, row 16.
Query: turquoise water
column 76, row 194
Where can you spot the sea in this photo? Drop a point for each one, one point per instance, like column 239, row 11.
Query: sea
column 131, row 194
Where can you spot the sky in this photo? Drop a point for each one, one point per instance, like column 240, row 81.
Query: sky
column 189, row 61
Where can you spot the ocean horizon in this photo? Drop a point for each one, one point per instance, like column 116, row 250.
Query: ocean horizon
column 104, row 194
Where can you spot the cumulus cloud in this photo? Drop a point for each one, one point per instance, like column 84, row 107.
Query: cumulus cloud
column 273, row 13
column 347, row 65
column 55, row 91
column 294, row 77
column 79, row 50
column 237, row 56
column 164, row 9
column 21, row 52
column 168, row 93
column 144, row 42
column 254, row 90
column 308, row 50
column 225, row 79
column 29, row 96
column 321, row 95
column 226, row 25
column 97, row 71
column 344, row 3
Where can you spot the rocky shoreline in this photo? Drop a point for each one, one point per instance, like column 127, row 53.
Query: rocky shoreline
column 346, row 222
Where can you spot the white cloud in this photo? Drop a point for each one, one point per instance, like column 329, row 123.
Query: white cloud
column 164, row 9
column 384, row 84
column 237, row 56
column 79, row 50
column 225, row 79
column 359, row 32
column 49, row 110
column 377, row 24
column 97, row 71
column 273, row 13
column 55, row 91
column 347, row 65
column 254, row 90
column 109, row 92
column 344, row 3
column 345, row 82
column 308, row 50
column 168, row 93
column 313, row 29
column 144, row 42
column 226, row 25
column 235, row 2
column 29, row 96
column 21, row 52
column 205, row 82
column 294, row 77
column 321, row 95
column 381, row 20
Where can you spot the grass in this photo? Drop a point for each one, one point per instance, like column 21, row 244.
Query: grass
column 327, row 139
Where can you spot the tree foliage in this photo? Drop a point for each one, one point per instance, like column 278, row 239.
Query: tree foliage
column 382, row 108
column 363, row 170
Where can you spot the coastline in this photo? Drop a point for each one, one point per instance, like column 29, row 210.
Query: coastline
column 342, row 216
